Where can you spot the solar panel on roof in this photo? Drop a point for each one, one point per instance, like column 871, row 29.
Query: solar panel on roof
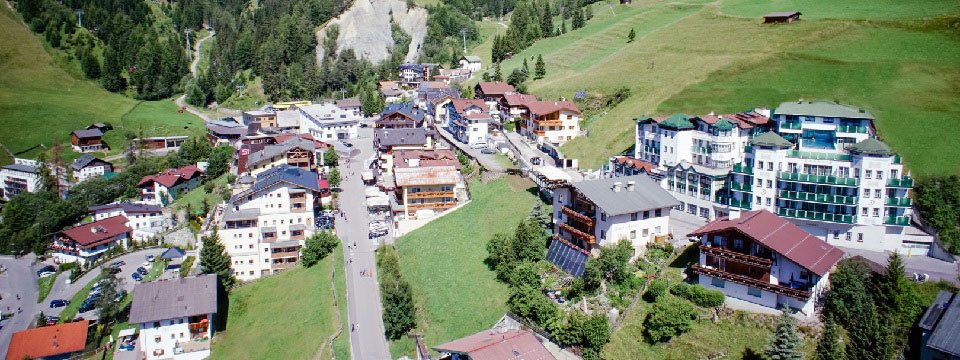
column 567, row 257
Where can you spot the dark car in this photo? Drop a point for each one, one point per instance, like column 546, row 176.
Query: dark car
column 487, row 151
column 59, row 303
column 46, row 271
column 142, row 270
column 88, row 305
column 117, row 264
column 136, row 277
column 120, row 296
column 52, row 320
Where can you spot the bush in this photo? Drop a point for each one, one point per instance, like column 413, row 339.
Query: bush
column 318, row 246
column 187, row 265
column 69, row 266
column 668, row 318
column 657, row 288
column 698, row 295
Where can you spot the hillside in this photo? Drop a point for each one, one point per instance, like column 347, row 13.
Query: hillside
column 40, row 102
column 699, row 56
column 365, row 28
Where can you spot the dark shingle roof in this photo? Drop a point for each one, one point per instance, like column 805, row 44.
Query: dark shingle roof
column 85, row 160
column 646, row 195
column 944, row 337
column 871, row 146
column 171, row 299
column 22, row 167
column 88, row 133
column 771, row 139
column 405, row 108
column 392, row 137
column 291, row 175
column 128, row 207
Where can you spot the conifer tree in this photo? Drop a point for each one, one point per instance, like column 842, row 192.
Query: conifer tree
column 632, row 35
column 785, row 343
column 541, row 68
column 214, row 259
column 829, row 346
column 868, row 339
column 897, row 303
column 546, row 20
column 497, row 74
column 110, row 78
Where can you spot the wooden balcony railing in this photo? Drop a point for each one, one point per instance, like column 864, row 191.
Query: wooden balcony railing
column 429, row 194
column 590, row 239
column 574, row 214
column 738, row 257
column 740, row 279
column 284, row 254
column 539, row 132
column 551, row 122
column 283, row 265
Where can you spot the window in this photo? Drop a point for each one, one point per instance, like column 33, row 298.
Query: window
column 633, row 217
column 603, row 234
column 754, row 292
column 769, row 201
column 156, row 338
column 868, row 174
column 633, row 234
column 848, row 237
column 717, row 282
column 737, row 244
column 876, row 212
column 759, row 200
column 866, row 193
column 657, row 229
column 658, row 213
column 646, row 232
column 769, row 184
column 603, row 216
column 879, row 175
column 769, row 165
column 860, row 237
column 877, row 193
column 893, row 174
column 836, row 234
column 646, row 214
column 863, row 211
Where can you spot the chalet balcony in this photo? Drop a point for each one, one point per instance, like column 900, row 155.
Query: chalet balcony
column 590, row 239
column 731, row 255
column 791, row 125
column 429, row 194
column 586, row 219
column 431, row 205
column 739, row 204
column 539, row 132
column 748, row 281
column 548, row 122
column 817, row 179
column 298, row 207
column 817, row 198
column 284, row 254
column 851, row 129
column 737, row 186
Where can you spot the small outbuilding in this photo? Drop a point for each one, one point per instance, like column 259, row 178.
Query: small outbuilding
column 781, row 17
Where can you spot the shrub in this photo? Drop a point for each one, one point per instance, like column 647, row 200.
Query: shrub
column 69, row 266
column 698, row 295
column 187, row 265
column 668, row 318
column 657, row 288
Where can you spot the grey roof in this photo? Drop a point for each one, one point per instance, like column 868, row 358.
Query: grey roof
column 88, row 133
column 85, row 160
column 822, row 109
column 171, row 299
column 292, row 175
column 703, row 170
column 128, row 207
column 226, row 128
column 405, row 108
column 871, row 146
column 243, row 214
column 944, row 318
column 472, row 58
column 392, row 137
column 285, row 243
column 268, row 229
column 647, row 195
column 22, row 167
column 173, row 253
column 350, row 102
column 271, row 151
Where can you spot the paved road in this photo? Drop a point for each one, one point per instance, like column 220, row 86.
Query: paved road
column 488, row 161
column 936, row 268
column 19, row 279
column 196, row 52
column 363, row 292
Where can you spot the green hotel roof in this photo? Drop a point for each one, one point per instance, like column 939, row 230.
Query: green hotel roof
column 678, row 122
column 724, row 124
column 871, row 146
column 822, row 109
column 771, row 139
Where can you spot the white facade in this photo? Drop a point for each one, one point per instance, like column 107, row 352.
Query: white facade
column 556, row 128
column 84, row 255
column 327, row 122
column 22, row 176
column 145, row 225
column 473, row 64
column 91, row 172
column 173, row 339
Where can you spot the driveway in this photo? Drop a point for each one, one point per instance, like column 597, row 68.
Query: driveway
column 488, row 161
column 363, row 291
column 19, row 279
column 62, row 290
column 936, row 268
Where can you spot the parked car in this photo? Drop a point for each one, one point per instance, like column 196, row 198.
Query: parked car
column 59, row 303
column 151, row 258
column 52, row 320
column 88, row 305
column 142, row 270
column 487, row 151
column 137, row 277
column 46, row 271
column 120, row 296
column 117, row 264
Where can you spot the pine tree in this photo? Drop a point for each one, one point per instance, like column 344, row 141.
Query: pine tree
column 196, row 96
column 829, row 346
column 868, row 339
column 632, row 35
column 578, row 18
column 784, row 343
column 111, row 78
column 546, row 20
column 89, row 63
column 563, row 26
column 541, row 68
column 214, row 259
column 897, row 303
column 526, row 66
column 497, row 75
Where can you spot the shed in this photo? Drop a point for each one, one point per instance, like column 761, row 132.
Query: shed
column 174, row 253
column 781, row 17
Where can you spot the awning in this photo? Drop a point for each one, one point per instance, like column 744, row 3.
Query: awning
column 268, row 229
column 285, row 243
column 298, row 227
column 127, row 332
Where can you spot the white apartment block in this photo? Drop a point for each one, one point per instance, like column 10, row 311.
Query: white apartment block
column 263, row 226
column 818, row 164
column 555, row 122
column 175, row 317
column 20, row 177
column 595, row 213
column 469, row 121
column 328, row 122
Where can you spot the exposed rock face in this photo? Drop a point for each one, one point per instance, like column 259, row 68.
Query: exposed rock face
column 365, row 28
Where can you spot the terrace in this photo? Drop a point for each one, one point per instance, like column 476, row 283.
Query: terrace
column 816, row 215
column 817, row 198
column 740, row 279
column 897, row 220
column 904, row 182
column 899, row 202
column 817, row 179
column 586, row 219
column 743, row 169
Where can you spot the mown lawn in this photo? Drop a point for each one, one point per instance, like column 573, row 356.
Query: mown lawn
column 285, row 316
column 44, row 285
column 196, row 197
column 70, row 311
column 456, row 294
column 40, row 102
column 698, row 56
column 341, row 345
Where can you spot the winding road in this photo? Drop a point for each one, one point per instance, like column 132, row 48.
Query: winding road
column 196, row 52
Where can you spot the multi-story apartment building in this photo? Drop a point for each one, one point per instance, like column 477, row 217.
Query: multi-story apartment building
column 328, row 122
column 403, row 115
column 20, row 177
column 175, row 317
column 595, row 213
column 764, row 259
column 423, row 190
column 469, row 121
column 264, row 225
column 555, row 122
column 298, row 151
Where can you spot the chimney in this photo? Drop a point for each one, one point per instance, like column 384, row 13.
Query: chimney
column 617, row 186
column 631, row 185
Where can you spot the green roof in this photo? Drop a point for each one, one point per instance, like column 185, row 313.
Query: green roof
column 871, row 146
column 771, row 139
column 724, row 124
column 822, row 109
column 678, row 122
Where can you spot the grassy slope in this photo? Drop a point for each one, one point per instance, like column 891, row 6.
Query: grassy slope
column 455, row 292
column 40, row 102
column 695, row 50
column 285, row 316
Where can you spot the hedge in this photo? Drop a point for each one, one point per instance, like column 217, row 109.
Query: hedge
column 698, row 295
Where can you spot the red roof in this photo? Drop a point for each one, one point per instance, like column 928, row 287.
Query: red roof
column 97, row 232
column 517, row 99
column 48, row 341
column 635, row 163
column 461, row 105
column 499, row 345
column 781, row 236
column 495, row 88
column 747, row 120
column 171, row 177
column 547, row 107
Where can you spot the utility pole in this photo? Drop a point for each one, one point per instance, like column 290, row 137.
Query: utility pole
column 79, row 16
column 463, row 32
column 186, row 33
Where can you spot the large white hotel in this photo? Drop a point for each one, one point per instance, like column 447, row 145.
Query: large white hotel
column 817, row 164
